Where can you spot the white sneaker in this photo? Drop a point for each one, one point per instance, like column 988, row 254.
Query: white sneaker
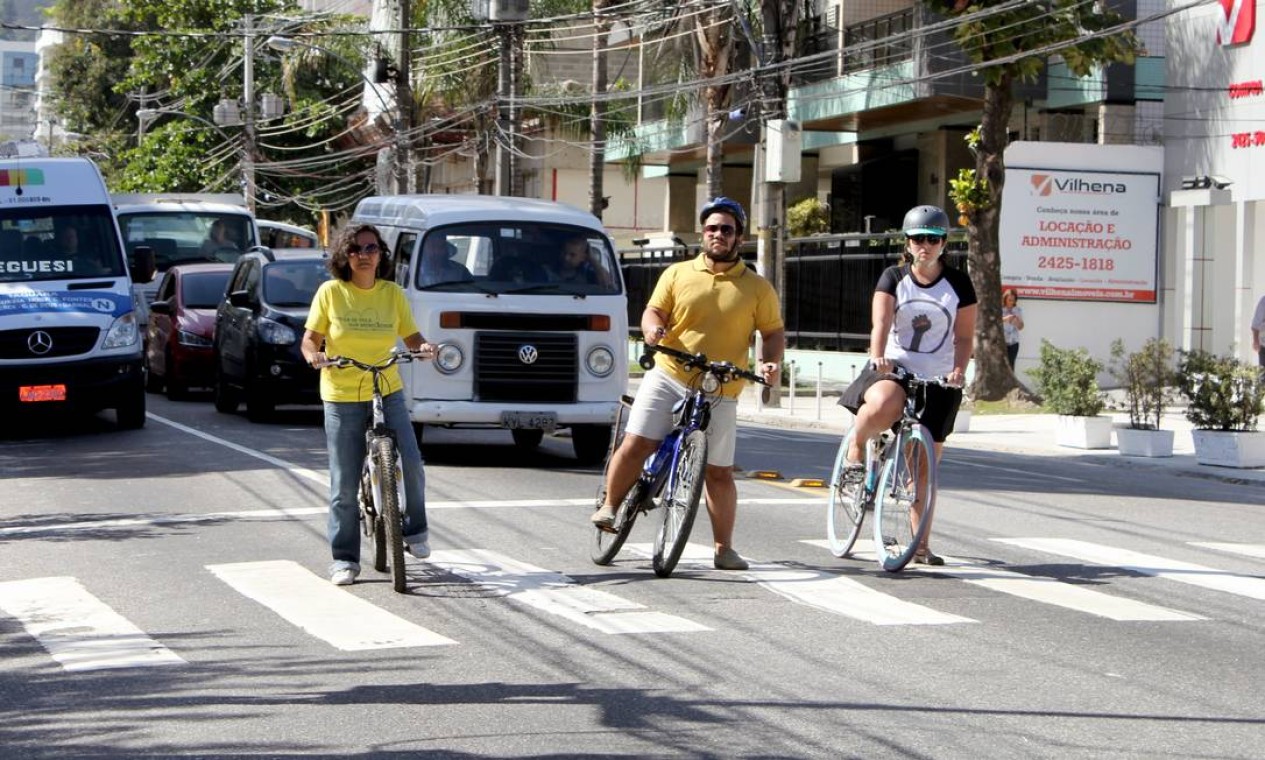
column 342, row 576
column 419, row 548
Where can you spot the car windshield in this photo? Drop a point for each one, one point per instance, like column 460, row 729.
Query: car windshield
column 203, row 290
column 64, row 243
column 514, row 257
column 291, row 284
column 182, row 237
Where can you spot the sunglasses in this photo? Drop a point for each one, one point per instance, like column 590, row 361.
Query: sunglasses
column 368, row 250
column 932, row 239
column 724, row 229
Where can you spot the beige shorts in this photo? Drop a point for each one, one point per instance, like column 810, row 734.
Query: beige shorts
column 651, row 416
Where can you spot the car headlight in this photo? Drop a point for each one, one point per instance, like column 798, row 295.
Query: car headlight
column 276, row 333
column 600, row 361
column 449, row 358
column 711, row 383
column 123, row 332
column 186, row 338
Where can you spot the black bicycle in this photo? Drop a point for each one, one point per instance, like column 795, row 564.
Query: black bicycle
column 672, row 477
column 381, row 493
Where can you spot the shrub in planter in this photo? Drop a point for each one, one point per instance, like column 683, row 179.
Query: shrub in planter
column 1224, row 393
column 1068, row 381
column 1146, row 376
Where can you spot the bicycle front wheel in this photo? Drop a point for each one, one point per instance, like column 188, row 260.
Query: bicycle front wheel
column 906, row 499
column 846, row 511
column 372, row 518
column 388, row 477
column 606, row 544
column 681, row 505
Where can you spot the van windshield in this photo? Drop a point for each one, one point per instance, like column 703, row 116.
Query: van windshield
column 513, row 257
column 64, row 243
column 184, row 237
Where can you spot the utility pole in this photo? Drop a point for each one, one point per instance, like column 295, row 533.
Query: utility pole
column 405, row 179
column 248, row 115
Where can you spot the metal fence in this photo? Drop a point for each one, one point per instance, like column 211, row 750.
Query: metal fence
column 829, row 283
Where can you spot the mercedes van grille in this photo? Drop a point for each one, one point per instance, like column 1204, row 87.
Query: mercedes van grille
column 525, row 367
column 66, row 341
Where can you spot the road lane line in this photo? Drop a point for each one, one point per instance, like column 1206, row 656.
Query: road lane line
column 1248, row 550
column 557, row 594
column 79, row 630
column 820, row 590
column 1035, row 588
column 330, row 613
column 303, row 472
column 1026, row 473
column 1146, row 564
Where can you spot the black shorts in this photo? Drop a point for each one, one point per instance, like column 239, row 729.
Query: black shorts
column 938, row 410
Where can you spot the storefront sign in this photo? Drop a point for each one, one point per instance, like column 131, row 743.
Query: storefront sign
column 1080, row 235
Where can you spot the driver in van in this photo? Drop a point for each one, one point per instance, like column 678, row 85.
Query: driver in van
column 217, row 240
column 437, row 262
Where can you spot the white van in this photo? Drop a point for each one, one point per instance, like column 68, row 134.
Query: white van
column 283, row 235
column 69, row 333
column 531, row 340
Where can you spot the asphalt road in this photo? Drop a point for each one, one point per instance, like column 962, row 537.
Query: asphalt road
column 163, row 593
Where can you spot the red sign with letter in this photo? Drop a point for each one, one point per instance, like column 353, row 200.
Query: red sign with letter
column 1239, row 22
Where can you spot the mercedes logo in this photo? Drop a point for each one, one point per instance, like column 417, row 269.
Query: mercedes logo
column 40, row 343
column 528, row 354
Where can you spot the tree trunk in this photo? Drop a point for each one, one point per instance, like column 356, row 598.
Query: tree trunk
column 993, row 378
column 715, row 46
column 597, row 112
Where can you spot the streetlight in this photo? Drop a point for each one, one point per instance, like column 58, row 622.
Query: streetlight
column 284, row 45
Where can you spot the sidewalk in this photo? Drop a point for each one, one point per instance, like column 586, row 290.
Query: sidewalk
column 1026, row 434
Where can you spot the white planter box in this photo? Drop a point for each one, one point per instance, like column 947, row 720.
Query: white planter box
column 962, row 423
column 1084, row 432
column 1144, row 443
column 1220, row 448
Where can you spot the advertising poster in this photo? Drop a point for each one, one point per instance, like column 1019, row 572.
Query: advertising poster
column 1080, row 235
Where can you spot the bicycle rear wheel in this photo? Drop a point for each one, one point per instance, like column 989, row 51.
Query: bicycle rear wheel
column 681, row 505
column 846, row 511
column 906, row 499
column 605, row 543
column 389, row 476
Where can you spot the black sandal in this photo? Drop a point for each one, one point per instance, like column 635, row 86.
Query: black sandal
column 927, row 557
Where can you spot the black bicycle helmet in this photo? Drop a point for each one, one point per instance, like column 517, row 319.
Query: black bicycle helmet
column 926, row 220
column 727, row 206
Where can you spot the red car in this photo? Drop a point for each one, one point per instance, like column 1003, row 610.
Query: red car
column 181, row 332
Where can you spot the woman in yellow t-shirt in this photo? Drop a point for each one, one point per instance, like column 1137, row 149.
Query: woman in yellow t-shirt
column 361, row 314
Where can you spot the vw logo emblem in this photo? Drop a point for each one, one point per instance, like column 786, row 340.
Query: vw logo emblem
column 39, row 342
column 528, row 354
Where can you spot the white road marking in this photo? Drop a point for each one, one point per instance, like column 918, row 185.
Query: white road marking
column 821, row 590
column 330, row 613
column 1044, row 590
column 1249, row 550
column 79, row 630
column 1146, row 564
column 319, row 477
column 1025, row 473
column 557, row 594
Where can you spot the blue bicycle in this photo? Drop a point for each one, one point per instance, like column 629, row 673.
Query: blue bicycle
column 672, row 476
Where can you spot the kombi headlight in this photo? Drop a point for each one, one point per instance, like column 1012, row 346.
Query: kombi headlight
column 123, row 332
column 600, row 361
column 449, row 358
column 276, row 333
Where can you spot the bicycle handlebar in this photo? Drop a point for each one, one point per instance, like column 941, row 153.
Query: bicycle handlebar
column 396, row 357
column 904, row 374
column 724, row 370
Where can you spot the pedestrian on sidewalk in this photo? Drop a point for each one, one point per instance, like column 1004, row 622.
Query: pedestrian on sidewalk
column 711, row 304
column 1011, row 324
column 923, row 320
column 1258, row 325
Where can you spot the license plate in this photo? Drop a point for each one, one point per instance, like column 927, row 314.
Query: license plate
column 529, row 420
column 32, row 393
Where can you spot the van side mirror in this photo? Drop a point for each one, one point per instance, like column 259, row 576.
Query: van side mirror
column 141, row 264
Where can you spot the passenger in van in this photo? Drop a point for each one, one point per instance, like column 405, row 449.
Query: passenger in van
column 438, row 265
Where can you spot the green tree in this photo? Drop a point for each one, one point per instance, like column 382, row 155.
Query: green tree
column 1013, row 46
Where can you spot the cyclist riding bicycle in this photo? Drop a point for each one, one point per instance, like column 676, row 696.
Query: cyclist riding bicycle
column 922, row 319
column 361, row 313
column 711, row 304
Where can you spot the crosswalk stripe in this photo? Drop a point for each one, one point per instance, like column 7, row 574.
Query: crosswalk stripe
column 1249, row 550
column 331, row 614
column 1038, row 589
column 821, row 590
column 557, row 594
column 79, row 630
column 1146, row 564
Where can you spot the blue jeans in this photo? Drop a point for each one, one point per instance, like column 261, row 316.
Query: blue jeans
column 345, row 423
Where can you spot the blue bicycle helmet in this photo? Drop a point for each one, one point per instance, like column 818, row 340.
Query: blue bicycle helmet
column 726, row 206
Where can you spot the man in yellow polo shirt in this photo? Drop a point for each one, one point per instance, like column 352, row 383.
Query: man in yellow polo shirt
column 712, row 304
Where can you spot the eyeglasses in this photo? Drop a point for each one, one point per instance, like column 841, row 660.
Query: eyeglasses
column 932, row 239
column 368, row 250
column 724, row 229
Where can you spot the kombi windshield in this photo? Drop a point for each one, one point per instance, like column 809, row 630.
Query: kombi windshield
column 64, row 243
column 510, row 257
column 185, row 237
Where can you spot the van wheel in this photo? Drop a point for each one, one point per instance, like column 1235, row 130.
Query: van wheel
column 527, row 439
column 226, row 397
column 130, row 413
column 590, row 442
